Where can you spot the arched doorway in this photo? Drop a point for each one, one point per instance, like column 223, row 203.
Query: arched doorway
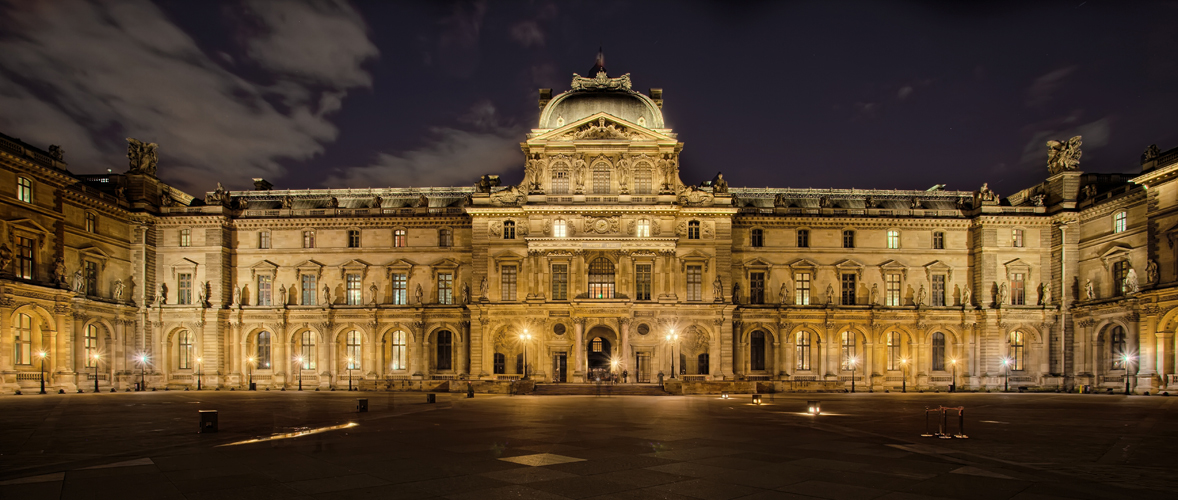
column 599, row 353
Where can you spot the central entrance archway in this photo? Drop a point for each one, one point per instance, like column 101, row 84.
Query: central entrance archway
column 600, row 353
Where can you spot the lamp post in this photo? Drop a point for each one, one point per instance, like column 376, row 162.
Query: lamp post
column 1006, row 382
column 854, row 363
column 299, row 361
column 142, row 372
column 525, row 337
column 198, row 363
column 42, row 354
column 250, row 367
column 96, row 358
column 953, row 384
column 1127, row 359
column 349, row 374
column 903, row 374
column 673, row 338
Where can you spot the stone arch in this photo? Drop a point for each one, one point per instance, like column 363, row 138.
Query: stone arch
column 906, row 332
column 952, row 334
column 34, row 310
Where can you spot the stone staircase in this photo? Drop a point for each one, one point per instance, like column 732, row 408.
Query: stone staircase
column 593, row 390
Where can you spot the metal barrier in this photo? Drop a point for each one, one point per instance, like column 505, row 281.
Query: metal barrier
column 943, row 422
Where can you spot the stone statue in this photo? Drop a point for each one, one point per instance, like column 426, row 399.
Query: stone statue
column 418, row 293
column 718, row 289
column 326, row 295
column 986, row 195
column 465, row 294
column 785, row 293
column 373, row 289
column 1152, row 152
column 736, row 293
column 118, row 294
column 58, row 153
column 484, row 288
column 203, row 296
column 377, row 201
column 287, row 203
column 142, row 157
column 1063, row 156
column 719, row 185
column 59, row 271
column 1045, row 294
column 163, row 293
column 920, row 296
column 966, row 300
column 422, row 202
column 1089, row 290
column 830, row 294
column 218, row 197
column 874, row 294
column 779, row 200
column 579, row 169
column 1003, row 292
column 1131, row 284
column 1151, row 272
column 234, row 295
column 282, row 293
column 5, row 257
column 79, row 283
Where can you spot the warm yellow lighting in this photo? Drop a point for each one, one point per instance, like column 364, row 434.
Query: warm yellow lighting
column 42, row 354
column 903, row 361
column 953, row 361
column 289, row 435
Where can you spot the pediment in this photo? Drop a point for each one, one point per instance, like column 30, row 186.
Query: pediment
column 446, row 263
column 695, row 255
column 1115, row 253
column 602, row 126
column 354, row 264
column 264, row 266
column 891, row 266
column 1017, row 266
column 309, row 264
column 757, row 262
column 803, row 264
column 29, row 225
column 848, row 264
column 94, row 252
column 938, row 267
column 184, row 264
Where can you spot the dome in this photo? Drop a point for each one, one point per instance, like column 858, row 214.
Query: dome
column 590, row 96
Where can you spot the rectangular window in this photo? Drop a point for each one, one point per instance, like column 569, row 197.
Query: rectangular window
column 848, row 286
column 399, row 236
column 509, row 230
column 1120, row 274
column 643, row 230
column 695, row 283
column 1018, row 290
column 693, row 230
column 400, row 289
column 643, row 181
column 507, row 279
column 265, row 290
column 938, row 295
column 24, row 189
column 185, row 237
column 893, row 239
column 308, row 239
column 802, row 289
column 803, row 238
column 757, row 238
column 560, row 182
column 264, row 240
column 1120, row 221
column 184, row 288
column 600, row 180
column 893, row 290
column 560, row 282
column 24, row 340
column 848, row 239
column 354, row 293
column 642, row 281
column 91, row 223
column 91, row 275
column 756, row 288
column 24, row 258
column 938, row 240
column 445, row 238
column 559, row 229
column 445, row 288
column 802, row 354
column 308, row 289
column 353, row 238
column 1016, row 238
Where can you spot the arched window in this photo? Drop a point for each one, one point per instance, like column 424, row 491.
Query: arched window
column 847, row 356
column 596, row 345
column 757, row 350
column 24, row 340
column 307, row 350
column 1116, row 347
column 508, row 230
column 264, row 350
column 560, row 181
column 601, row 178
column 643, row 181
column 185, row 352
column 399, row 350
column 601, row 279
column 703, row 363
column 353, row 350
column 445, row 350
column 893, row 350
column 802, row 351
column 1017, row 351
column 938, row 351
column 500, row 366
column 91, row 345
column 400, row 238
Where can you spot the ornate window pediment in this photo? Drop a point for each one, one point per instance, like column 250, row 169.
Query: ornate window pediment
column 803, row 264
column 1017, row 266
column 94, row 253
column 506, row 257
column 311, row 267
column 352, row 267
column 184, row 265
column 891, row 266
column 1114, row 254
column 757, row 263
column 695, row 257
column 937, row 267
column 849, row 266
column 264, row 267
column 28, row 226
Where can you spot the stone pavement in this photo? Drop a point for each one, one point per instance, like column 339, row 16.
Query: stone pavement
column 145, row 445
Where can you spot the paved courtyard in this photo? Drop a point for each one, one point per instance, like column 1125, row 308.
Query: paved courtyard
column 145, row 445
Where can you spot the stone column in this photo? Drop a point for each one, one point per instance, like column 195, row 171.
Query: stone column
column 245, row 367
column 724, row 328
column 62, row 355
column 579, row 358
column 463, row 345
column 1164, row 368
column 624, row 344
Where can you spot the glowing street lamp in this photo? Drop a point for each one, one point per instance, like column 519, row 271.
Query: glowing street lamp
column 299, row 360
column 953, row 385
column 251, row 373
column 1126, row 358
column 1006, row 383
column 198, row 363
column 96, row 357
column 903, row 375
column 349, row 374
column 854, row 363
column 142, row 372
column 42, row 354
column 525, row 337
column 673, row 338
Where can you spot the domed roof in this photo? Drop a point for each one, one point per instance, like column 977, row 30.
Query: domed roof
column 589, row 96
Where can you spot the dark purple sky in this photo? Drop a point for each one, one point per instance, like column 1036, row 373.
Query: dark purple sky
column 807, row 94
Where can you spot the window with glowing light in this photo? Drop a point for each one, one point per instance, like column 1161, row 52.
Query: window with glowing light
column 400, row 350
column 23, row 340
column 643, row 229
column 601, row 279
column 1120, row 221
column 1017, row 350
column 1116, row 336
column 695, row 283
column 802, row 351
column 24, row 189
column 445, row 288
column 265, row 289
column 185, row 351
column 893, row 350
column 893, row 239
column 892, row 290
column 559, row 229
column 354, row 295
column 847, row 356
column 263, row 351
column 91, row 345
column 802, row 289
column 400, row 289
column 353, row 350
column 307, row 350
column 507, row 281
column 560, row 282
column 399, row 238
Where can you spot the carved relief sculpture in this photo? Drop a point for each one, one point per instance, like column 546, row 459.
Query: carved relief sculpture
column 5, row 257
column 326, row 295
column 718, row 289
column 1131, row 284
column 118, row 292
column 785, row 293
column 579, row 168
column 373, row 290
column 59, row 271
column 874, row 294
column 141, row 156
column 1151, row 153
column 1063, row 156
column 966, row 299
column 79, row 283
column 484, row 288
column 719, row 185
column 1151, row 272
column 282, row 294
column 1089, row 290
column 1003, row 292
column 418, row 294
column 920, row 296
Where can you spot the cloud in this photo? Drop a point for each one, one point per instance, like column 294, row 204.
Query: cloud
column 86, row 75
column 528, row 33
column 1041, row 90
column 450, row 157
column 904, row 92
column 458, row 43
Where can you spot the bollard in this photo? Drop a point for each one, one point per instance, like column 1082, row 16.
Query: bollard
column 927, row 431
column 960, row 422
column 944, row 424
column 431, row 398
column 208, row 420
column 756, row 399
column 815, row 407
column 362, row 405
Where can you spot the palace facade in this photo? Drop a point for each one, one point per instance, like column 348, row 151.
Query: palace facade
column 601, row 260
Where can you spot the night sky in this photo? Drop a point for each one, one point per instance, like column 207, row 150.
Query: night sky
column 898, row 95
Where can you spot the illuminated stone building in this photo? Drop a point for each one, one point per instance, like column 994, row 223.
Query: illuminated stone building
column 602, row 259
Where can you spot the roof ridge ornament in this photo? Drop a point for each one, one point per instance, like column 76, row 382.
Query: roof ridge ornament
column 600, row 81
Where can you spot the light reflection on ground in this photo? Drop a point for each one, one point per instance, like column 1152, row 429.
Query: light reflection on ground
column 288, row 435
